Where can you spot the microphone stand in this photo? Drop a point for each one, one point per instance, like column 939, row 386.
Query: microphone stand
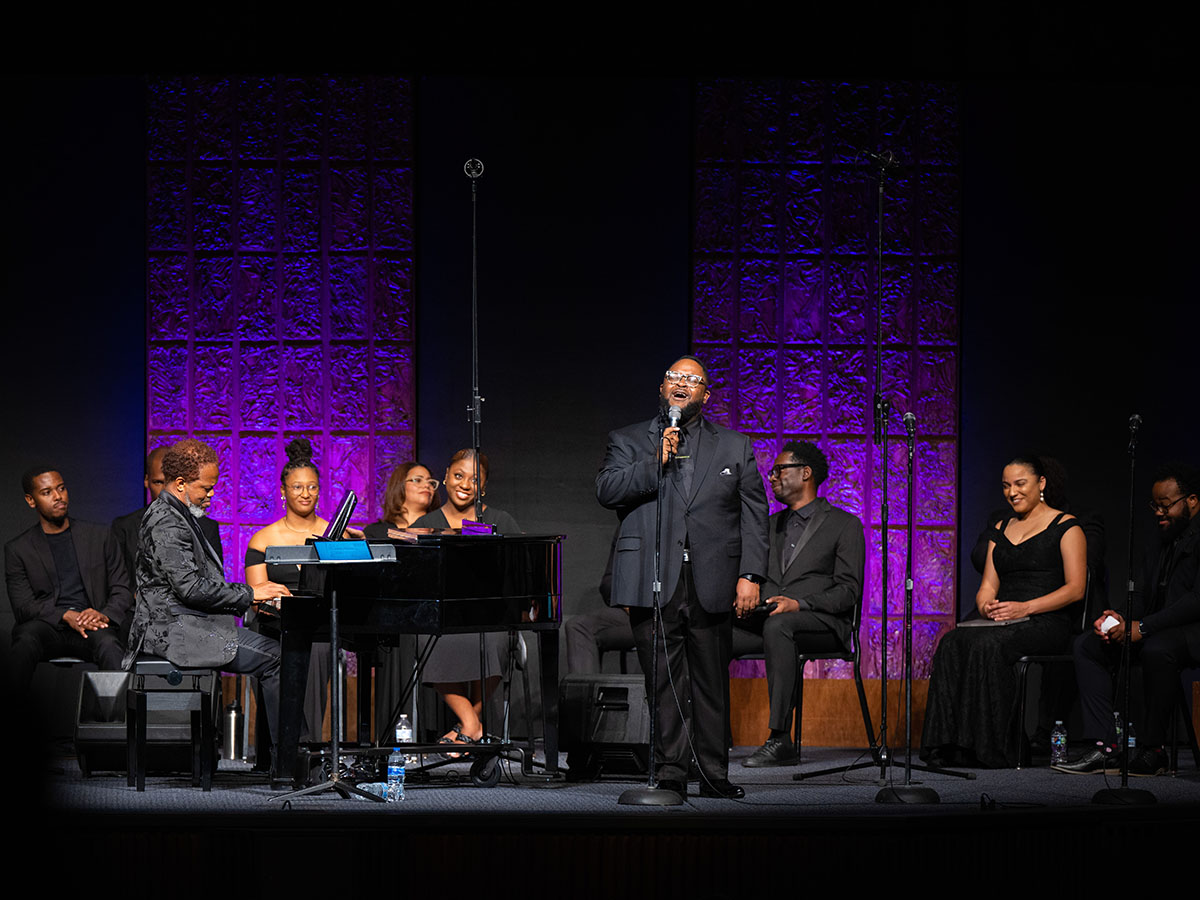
column 473, row 169
column 908, row 793
column 1125, row 795
column 651, row 794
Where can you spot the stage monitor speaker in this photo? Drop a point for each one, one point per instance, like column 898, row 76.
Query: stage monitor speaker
column 604, row 725
column 100, row 727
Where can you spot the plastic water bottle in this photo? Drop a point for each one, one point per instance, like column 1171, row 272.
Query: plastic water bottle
column 1117, row 725
column 404, row 735
column 1058, row 743
column 395, row 776
column 1131, row 738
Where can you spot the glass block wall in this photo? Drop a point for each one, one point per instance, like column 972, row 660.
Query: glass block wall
column 784, row 253
column 279, row 279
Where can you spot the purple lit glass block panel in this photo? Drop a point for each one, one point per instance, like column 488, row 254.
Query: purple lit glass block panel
column 235, row 548
column 166, row 119
column 258, row 119
column 801, row 390
column 847, row 296
column 897, row 304
column 937, row 478
column 747, row 668
column 255, row 285
column 301, row 297
column 259, row 382
column 212, row 199
column 897, row 554
column 898, row 220
column 718, row 125
column 759, row 291
column 926, row 635
column 347, row 464
column 392, row 372
column 348, row 366
column 849, row 473
column 761, row 118
column 304, row 396
column 391, row 112
column 212, row 123
column 804, row 127
column 937, row 391
column 301, row 209
column 258, row 479
column 301, row 118
column 714, row 293
column 348, row 208
column 348, row 297
column 847, row 393
column 939, row 204
column 215, row 309
column 896, row 120
column 803, row 290
column 721, row 366
column 758, row 391
column 803, row 221
column 716, row 207
column 391, row 450
column 391, row 211
column 393, row 315
column 897, row 387
column 933, row 572
column 166, row 213
column 853, row 108
column 212, row 390
column 258, row 202
column 167, row 297
column 166, row 373
column 348, row 117
column 937, row 303
column 851, row 223
column 939, row 131
column 897, row 483
column 759, row 220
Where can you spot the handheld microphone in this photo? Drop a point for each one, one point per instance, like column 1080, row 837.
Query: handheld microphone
column 674, row 413
column 473, row 168
column 910, row 423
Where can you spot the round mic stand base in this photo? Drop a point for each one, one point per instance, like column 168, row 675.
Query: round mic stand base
column 1124, row 796
column 649, row 796
column 907, row 794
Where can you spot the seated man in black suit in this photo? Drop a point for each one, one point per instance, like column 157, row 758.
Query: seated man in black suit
column 814, row 579
column 185, row 609
column 125, row 528
column 67, row 584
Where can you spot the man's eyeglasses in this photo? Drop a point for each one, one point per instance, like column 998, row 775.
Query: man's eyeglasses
column 777, row 471
column 421, row 480
column 1164, row 509
column 683, row 378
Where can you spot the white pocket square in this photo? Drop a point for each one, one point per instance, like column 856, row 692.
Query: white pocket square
column 726, row 471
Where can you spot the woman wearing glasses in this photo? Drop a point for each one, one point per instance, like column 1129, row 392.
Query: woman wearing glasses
column 300, row 488
column 453, row 667
column 1036, row 567
column 409, row 495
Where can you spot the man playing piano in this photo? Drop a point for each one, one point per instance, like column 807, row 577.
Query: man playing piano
column 714, row 557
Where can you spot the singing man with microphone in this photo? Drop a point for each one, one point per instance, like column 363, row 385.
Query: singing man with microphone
column 714, row 557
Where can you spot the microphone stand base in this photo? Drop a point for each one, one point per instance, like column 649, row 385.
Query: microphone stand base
column 1125, row 796
column 649, row 796
column 908, row 795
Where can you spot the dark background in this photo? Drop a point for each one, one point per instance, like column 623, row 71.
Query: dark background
column 1077, row 302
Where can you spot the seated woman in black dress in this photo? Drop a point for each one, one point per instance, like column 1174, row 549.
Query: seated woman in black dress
column 409, row 494
column 300, row 487
column 453, row 667
column 1036, row 567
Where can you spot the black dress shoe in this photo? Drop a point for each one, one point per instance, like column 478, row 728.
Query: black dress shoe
column 670, row 784
column 1098, row 759
column 721, row 790
column 1148, row 762
column 775, row 752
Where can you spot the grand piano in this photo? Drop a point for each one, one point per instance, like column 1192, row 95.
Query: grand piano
column 433, row 584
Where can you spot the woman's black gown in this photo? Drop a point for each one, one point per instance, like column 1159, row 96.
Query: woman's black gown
column 969, row 717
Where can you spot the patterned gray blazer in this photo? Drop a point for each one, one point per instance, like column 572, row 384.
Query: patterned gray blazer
column 185, row 609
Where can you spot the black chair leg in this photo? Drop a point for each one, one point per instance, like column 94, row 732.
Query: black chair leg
column 866, row 712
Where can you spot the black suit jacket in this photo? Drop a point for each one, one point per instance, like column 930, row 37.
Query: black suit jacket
column 125, row 528
column 826, row 569
column 1181, row 605
column 723, row 520
column 185, row 608
column 32, row 579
